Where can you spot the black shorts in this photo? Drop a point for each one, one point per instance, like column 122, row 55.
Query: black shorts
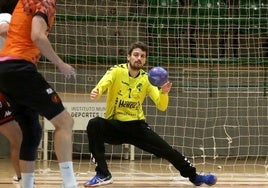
column 25, row 88
column 5, row 111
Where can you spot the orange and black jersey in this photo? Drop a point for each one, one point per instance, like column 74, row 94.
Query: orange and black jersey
column 18, row 42
column 126, row 94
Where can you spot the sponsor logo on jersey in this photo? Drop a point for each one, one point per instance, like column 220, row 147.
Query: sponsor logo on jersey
column 127, row 104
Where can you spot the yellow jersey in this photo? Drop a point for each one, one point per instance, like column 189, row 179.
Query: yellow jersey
column 125, row 94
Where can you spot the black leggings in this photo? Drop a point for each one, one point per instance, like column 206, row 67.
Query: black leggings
column 137, row 133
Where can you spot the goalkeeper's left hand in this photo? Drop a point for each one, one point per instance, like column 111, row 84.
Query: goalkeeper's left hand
column 166, row 87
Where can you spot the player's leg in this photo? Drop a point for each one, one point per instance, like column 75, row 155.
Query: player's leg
column 96, row 132
column 52, row 108
column 27, row 173
column 28, row 120
column 30, row 130
column 12, row 132
column 63, row 123
column 146, row 139
column 100, row 131
column 38, row 95
column 32, row 133
column 10, row 129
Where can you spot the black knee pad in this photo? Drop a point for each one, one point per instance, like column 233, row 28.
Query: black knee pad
column 32, row 134
column 30, row 142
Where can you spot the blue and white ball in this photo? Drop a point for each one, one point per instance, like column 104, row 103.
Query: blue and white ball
column 158, row 76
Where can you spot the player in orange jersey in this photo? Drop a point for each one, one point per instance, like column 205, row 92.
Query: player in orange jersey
column 28, row 93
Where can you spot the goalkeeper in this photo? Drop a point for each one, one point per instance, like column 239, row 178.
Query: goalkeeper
column 127, row 86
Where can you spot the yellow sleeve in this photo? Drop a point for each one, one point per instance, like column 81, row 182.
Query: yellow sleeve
column 160, row 99
column 105, row 82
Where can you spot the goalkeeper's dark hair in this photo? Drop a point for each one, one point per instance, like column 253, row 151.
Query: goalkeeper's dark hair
column 7, row 6
column 140, row 45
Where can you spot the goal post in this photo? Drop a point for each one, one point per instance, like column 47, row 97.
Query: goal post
column 216, row 54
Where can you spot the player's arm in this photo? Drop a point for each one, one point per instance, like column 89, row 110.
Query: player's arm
column 103, row 84
column 3, row 29
column 39, row 37
column 4, row 24
column 94, row 94
column 166, row 88
column 160, row 97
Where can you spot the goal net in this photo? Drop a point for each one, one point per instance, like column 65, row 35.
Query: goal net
column 215, row 52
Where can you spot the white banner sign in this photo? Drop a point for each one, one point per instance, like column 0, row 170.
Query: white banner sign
column 81, row 113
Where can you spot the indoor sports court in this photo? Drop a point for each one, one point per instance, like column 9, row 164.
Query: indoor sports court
column 150, row 173
column 216, row 56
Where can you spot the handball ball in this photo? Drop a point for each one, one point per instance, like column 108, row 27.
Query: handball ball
column 158, row 76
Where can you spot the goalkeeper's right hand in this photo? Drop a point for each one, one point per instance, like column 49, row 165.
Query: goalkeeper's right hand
column 94, row 94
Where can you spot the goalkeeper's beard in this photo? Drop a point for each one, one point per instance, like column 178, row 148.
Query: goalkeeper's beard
column 133, row 67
